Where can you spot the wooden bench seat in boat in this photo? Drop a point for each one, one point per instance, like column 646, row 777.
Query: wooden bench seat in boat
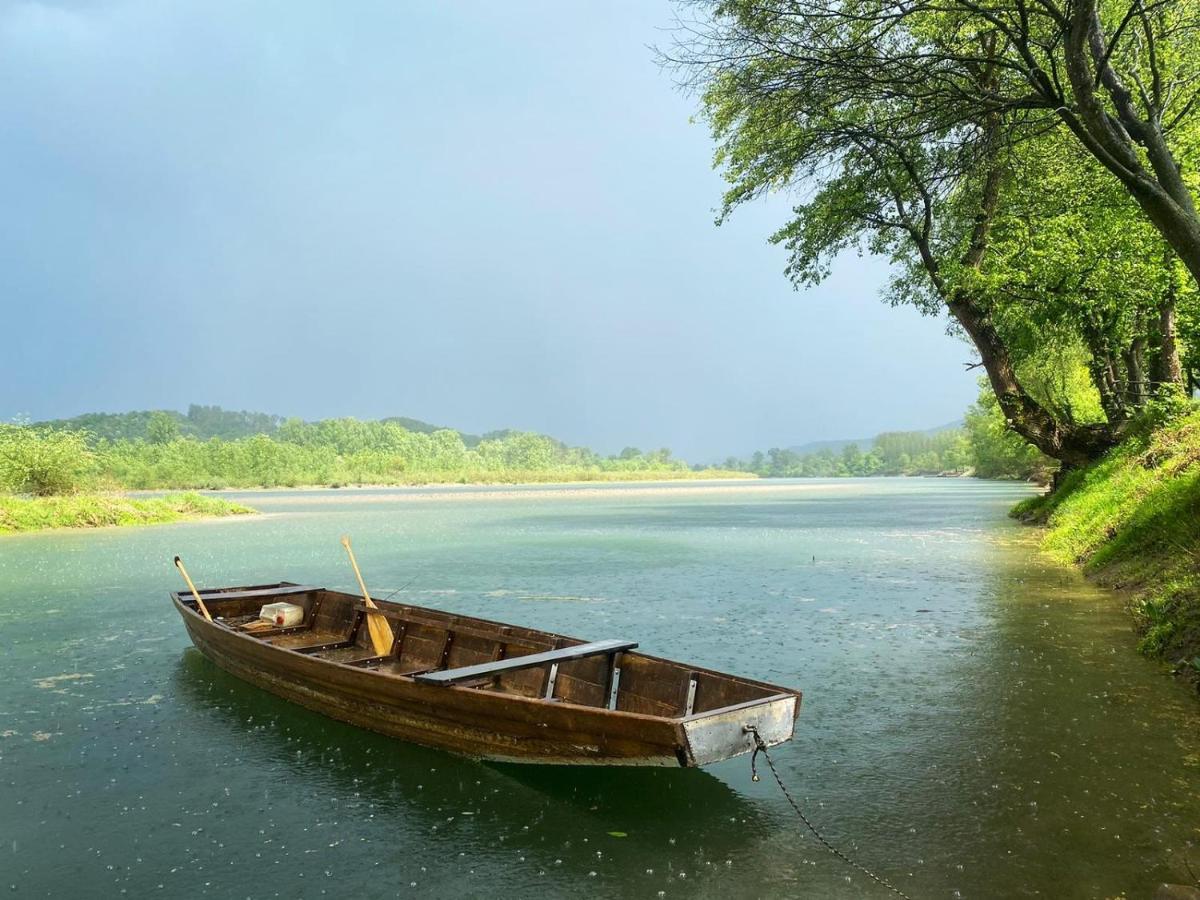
column 272, row 592
column 529, row 661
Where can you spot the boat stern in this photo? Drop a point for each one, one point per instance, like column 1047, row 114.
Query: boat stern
column 710, row 737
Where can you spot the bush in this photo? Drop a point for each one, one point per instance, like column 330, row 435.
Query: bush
column 98, row 510
column 1169, row 404
column 43, row 461
column 997, row 450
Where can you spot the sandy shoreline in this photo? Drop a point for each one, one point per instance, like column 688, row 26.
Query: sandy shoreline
column 572, row 491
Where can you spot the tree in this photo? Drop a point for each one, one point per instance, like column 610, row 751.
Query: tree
column 161, row 428
column 997, row 451
column 852, row 459
column 43, row 461
column 449, row 451
column 1074, row 268
column 1119, row 77
column 902, row 125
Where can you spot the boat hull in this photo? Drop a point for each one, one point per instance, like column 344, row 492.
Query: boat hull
column 486, row 724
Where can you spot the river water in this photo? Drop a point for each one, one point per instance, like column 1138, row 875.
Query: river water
column 976, row 722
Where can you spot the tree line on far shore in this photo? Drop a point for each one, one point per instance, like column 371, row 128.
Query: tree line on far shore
column 165, row 450
column 55, row 458
column 984, row 447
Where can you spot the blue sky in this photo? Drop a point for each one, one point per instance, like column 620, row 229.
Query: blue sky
column 480, row 214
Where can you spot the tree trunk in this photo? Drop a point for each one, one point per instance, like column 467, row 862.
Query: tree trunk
column 1073, row 444
column 1167, row 367
column 1070, row 443
column 1103, row 371
column 1135, row 373
column 1100, row 368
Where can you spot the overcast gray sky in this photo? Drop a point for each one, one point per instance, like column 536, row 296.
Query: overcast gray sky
column 480, row 214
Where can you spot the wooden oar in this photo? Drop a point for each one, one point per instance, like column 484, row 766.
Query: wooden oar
column 381, row 632
column 195, row 593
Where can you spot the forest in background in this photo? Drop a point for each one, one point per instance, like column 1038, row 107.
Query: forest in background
column 211, row 448
column 984, row 447
column 204, row 422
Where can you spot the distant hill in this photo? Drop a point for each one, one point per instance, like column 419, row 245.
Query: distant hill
column 202, row 422
column 205, row 422
column 836, row 446
column 863, row 444
column 471, row 440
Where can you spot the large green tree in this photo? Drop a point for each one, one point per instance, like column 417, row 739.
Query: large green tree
column 1121, row 77
column 907, row 130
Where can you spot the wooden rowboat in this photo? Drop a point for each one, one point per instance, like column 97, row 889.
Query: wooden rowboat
column 485, row 689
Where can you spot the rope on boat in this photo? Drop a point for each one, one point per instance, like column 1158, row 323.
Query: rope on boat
column 760, row 746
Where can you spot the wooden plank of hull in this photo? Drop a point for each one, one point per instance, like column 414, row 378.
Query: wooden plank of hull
column 483, row 724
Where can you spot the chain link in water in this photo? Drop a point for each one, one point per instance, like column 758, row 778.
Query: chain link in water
column 760, row 746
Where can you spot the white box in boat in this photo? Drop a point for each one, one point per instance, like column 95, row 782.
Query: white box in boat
column 282, row 614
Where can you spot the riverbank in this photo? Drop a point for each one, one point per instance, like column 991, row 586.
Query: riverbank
column 18, row 514
column 1132, row 522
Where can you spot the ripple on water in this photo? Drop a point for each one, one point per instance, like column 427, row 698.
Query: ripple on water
column 975, row 722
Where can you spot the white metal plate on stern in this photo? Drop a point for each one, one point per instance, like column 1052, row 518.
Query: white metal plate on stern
column 720, row 734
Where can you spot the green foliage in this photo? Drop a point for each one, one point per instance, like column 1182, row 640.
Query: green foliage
column 1169, row 404
column 43, row 461
column 161, row 428
column 161, row 425
column 996, row 450
column 205, row 422
column 1074, row 270
column 891, row 453
column 96, row 510
column 932, row 137
column 332, row 451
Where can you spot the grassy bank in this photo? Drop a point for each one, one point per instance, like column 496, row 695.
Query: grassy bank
column 97, row 510
column 1132, row 521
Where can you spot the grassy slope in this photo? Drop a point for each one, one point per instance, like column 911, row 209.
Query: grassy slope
column 95, row 510
column 1132, row 521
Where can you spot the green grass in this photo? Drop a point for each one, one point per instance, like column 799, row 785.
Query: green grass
column 98, row 510
column 1132, row 521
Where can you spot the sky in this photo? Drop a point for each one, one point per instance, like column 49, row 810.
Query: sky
column 484, row 215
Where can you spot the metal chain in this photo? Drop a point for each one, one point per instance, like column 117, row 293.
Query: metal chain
column 760, row 746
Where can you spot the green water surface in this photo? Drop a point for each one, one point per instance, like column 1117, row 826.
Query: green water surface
column 976, row 722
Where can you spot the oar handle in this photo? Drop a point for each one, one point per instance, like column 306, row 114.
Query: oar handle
column 382, row 636
column 357, row 574
column 192, row 587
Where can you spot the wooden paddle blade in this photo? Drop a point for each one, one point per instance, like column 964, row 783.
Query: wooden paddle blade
column 382, row 636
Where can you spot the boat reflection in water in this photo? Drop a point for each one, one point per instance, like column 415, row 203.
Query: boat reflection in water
column 441, row 814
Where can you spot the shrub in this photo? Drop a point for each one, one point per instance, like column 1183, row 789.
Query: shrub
column 43, row 461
